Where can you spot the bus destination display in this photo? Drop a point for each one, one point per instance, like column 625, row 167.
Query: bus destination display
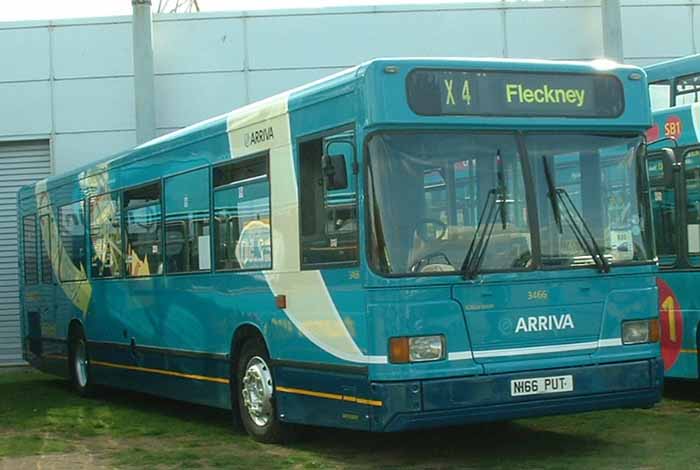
column 458, row 92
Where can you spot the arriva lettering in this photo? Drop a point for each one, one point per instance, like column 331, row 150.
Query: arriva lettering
column 545, row 95
column 258, row 136
column 544, row 323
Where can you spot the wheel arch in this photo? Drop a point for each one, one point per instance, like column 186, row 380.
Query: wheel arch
column 75, row 326
column 243, row 333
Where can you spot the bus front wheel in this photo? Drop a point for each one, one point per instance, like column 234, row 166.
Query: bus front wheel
column 80, row 365
column 256, row 400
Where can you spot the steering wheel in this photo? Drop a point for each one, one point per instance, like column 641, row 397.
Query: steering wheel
column 522, row 261
column 430, row 230
column 424, row 261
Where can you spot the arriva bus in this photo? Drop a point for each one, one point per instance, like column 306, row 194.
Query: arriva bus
column 406, row 244
column 675, row 184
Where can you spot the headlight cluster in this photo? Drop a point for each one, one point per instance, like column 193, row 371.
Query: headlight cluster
column 416, row 349
column 640, row 331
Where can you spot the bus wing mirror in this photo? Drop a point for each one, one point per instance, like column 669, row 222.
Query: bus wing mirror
column 669, row 164
column 334, row 163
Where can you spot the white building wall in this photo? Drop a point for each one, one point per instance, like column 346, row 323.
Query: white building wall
column 72, row 80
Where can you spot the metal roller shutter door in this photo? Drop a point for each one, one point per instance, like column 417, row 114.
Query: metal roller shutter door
column 21, row 163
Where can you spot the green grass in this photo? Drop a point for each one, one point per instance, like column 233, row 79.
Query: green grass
column 39, row 415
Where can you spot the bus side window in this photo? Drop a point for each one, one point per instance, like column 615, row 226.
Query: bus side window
column 144, row 254
column 692, row 184
column 31, row 270
column 71, row 226
column 45, row 244
column 687, row 89
column 187, row 247
column 660, row 94
column 106, row 236
column 328, row 214
column 242, row 215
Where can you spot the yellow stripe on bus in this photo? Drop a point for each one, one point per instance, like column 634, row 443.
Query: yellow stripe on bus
column 162, row 372
column 55, row 356
column 329, row 396
column 689, row 351
column 297, row 391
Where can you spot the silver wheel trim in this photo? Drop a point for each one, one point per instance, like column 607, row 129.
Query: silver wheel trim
column 80, row 363
column 256, row 391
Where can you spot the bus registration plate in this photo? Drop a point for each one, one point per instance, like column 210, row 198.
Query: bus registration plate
column 541, row 385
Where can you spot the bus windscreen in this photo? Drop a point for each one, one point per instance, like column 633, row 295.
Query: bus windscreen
column 437, row 92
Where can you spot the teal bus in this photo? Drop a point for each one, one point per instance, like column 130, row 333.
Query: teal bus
column 409, row 243
column 675, row 184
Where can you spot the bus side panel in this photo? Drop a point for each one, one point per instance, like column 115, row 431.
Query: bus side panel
column 684, row 285
column 319, row 380
column 344, row 405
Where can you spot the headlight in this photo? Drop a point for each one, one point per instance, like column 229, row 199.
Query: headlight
column 416, row 349
column 640, row 331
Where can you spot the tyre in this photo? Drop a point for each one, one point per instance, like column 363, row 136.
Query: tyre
column 256, row 395
column 80, row 365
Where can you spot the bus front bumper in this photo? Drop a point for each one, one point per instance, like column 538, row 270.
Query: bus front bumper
column 461, row 400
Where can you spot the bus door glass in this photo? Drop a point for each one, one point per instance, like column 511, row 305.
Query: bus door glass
column 663, row 204
column 32, row 300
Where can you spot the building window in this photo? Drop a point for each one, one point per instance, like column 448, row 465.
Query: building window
column 31, row 270
column 45, row 244
column 242, row 215
column 71, row 223
column 328, row 201
column 143, row 231
column 106, row 236
column 187, row 243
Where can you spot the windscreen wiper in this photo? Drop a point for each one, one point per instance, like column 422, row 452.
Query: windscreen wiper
column 501, row 177
column 486, row 222
column 593, row 249
column 482, row 235
column 589, row 243
column 552, row 194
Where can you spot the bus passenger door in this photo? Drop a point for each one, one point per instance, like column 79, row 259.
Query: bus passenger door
column 662, row 185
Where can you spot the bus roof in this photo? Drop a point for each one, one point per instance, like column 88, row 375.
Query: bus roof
column 681, row 123
column 325, row 88
column 673, row 68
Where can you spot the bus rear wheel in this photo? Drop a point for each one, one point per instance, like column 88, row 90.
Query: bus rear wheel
column 256, row 390
column 80, row 365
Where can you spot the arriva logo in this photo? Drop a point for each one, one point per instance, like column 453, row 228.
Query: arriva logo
column 544, row 323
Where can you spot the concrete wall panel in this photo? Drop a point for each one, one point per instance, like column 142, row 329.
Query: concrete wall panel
column 93, row 50
column 554, row 33
column 25, row 108
column 182, row 100
column 105, row 104
column 656, row 31
column 74, row 150
column 24, row 54
column 198, row 45
column 343, row 40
